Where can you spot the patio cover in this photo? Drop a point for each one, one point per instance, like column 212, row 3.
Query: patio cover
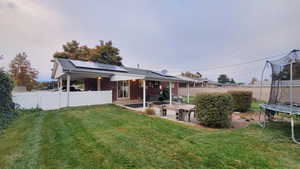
column 126, row 77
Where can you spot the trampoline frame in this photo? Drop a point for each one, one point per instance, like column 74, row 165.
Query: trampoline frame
column 277, row 107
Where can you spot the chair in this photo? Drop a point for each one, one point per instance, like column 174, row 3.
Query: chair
column 163, row 110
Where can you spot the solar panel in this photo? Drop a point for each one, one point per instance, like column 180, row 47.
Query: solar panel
column 162, row 74
column 98, row 66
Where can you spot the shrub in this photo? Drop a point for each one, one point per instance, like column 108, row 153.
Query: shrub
column 150, row 111
column 242, row 100
column 7, row 107
column 214, row 109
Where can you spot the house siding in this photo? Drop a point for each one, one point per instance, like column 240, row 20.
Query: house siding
column 174, row 89
column 106, row 84
column 136, row 88
column 90, row 84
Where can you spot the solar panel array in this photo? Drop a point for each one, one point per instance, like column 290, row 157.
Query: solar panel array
column 97, row 66
column 162, row 74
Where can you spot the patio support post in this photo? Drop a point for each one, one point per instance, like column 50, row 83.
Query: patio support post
column 188, row 92
column 60, row 82
column 170, row 86
column 144, row 94
column 98, row 84
column 60, row 86
column 68, row 89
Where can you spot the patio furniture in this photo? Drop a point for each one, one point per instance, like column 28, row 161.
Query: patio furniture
column 180, row 114
column 183, row 110
column 163, row 110
column 195, row 113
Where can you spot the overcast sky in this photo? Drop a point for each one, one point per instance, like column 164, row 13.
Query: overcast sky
column 176, row 35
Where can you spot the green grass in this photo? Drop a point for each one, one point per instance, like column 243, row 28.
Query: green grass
column 191, row 99
column 255, row 105
column 112, row 137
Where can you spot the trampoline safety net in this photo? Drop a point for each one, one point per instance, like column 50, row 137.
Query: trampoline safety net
column 285, row 86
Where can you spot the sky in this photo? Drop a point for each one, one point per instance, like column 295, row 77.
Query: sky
column 176, row 35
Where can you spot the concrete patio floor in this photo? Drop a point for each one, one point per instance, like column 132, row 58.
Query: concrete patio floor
column 238, row 120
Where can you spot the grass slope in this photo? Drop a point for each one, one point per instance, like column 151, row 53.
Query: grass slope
column 112, row 137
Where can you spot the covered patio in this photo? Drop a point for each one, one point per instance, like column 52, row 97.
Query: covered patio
column 129, row 86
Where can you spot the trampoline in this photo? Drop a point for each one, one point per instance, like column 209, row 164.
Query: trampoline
column 285, row 89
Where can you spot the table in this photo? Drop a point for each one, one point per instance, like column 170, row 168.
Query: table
column 182, row 110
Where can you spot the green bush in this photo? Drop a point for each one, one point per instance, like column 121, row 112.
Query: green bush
column 7, row 107
column 214, row 109
column 242, row 100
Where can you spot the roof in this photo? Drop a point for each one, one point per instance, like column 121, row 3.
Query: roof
column 69, row 66
column 194, row 80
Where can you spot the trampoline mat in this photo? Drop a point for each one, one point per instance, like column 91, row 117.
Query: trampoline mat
column 281, row 108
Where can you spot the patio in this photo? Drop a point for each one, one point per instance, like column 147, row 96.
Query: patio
column 173, row 110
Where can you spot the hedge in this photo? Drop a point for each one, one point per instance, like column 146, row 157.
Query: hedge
column 7, row 107
column 214, row 109
column 242, row 100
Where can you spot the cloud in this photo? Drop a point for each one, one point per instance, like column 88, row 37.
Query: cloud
column 28, row 26
column 177, row 35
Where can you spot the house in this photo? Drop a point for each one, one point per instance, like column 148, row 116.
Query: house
column 194, row 82
column 126, row 83
column 200, row 82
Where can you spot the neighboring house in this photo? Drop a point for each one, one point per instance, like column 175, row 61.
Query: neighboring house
column 194, row 82
column 126, row 83
column 201, row 82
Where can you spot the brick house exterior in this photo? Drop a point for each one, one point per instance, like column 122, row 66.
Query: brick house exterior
column 125, row 83
column 153, row 88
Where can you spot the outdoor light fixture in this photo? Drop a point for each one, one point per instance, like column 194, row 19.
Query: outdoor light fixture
column 99, row 77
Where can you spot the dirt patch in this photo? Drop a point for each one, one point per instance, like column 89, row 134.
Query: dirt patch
column 240, row 120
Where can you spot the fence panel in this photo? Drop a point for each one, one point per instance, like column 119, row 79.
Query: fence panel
column 264, row 95
column 54, row 100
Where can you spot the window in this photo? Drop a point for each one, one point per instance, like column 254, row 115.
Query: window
column 153, row 84
column 123, row 89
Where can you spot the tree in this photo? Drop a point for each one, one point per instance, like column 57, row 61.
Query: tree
column 196, row 75
column 103, row 53
column 223, row 79
column 1, row 68
column 199, row 74
column 7, row 106
column 21, row 71
column 253, row 80
column 232, row 81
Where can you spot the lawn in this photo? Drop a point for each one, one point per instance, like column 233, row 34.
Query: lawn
column 112, row 137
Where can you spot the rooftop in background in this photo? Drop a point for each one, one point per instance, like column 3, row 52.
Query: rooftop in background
column 195, row 80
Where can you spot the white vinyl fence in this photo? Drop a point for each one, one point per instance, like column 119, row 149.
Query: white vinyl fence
column 47, row 100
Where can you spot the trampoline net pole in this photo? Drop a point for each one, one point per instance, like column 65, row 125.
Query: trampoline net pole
column 291, row 103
